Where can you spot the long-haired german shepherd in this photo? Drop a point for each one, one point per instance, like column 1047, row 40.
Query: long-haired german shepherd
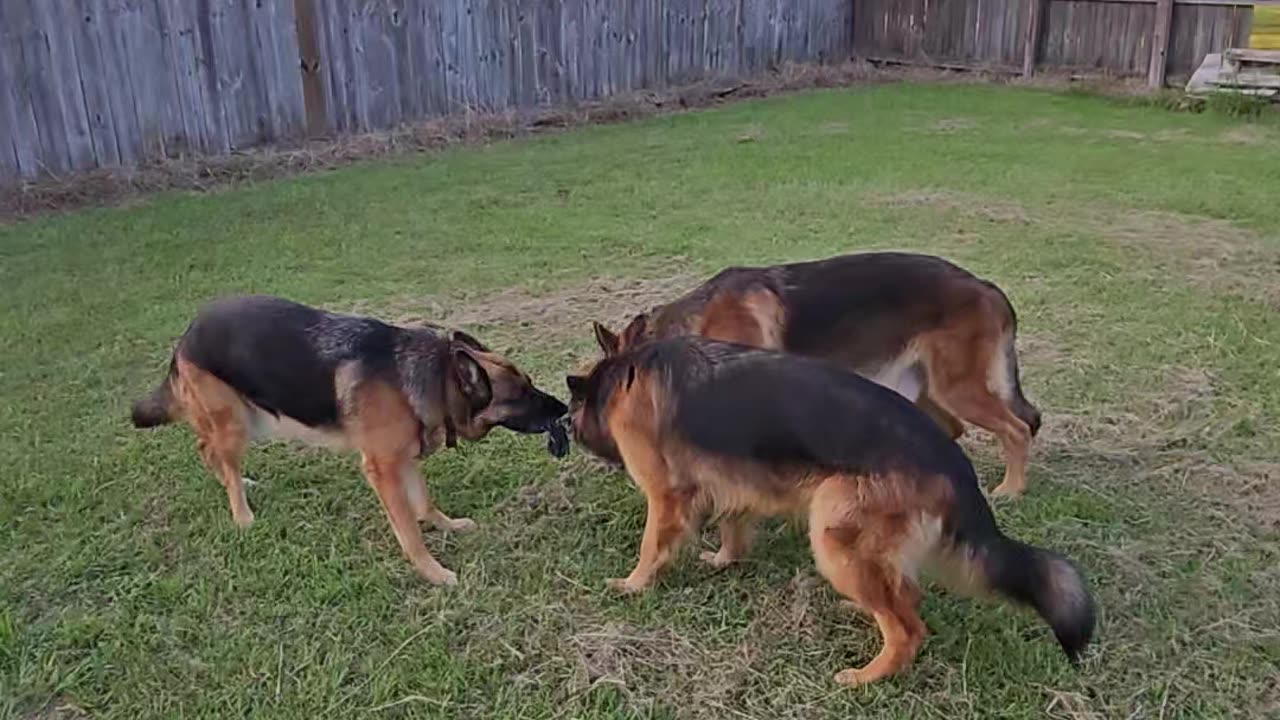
column 258, row 367
column 703, row 426
column 915, row 323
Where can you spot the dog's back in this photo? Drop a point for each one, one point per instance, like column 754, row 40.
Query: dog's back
column 818, row 414
column 932, row 331
column 885, row 491
column 257, row 367
column 282, row 356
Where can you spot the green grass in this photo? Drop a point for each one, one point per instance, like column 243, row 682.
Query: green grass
column 1140, row 248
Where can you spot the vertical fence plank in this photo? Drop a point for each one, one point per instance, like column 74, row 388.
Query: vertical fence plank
column 313, row 95
column 95, row 89
column 1031, row 41
column 46, row 106
column 63, row 82
column 209, row 61
column 88, row 83
column 23, row 142
column 1160, row 43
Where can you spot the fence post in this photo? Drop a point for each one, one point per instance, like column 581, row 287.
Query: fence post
column 1031, row 42
column 1160, row 43
column 309, row 66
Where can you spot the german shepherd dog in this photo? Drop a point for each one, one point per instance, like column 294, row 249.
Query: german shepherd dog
column 261, row 367
column 918, row 324
column 708, row 427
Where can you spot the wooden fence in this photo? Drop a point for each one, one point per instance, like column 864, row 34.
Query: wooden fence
column 1148, row 38
column 99, row 83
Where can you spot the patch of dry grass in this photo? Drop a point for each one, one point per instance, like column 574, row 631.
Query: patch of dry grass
column 970, row 205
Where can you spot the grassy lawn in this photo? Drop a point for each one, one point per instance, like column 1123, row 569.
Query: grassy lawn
column 1141, row 249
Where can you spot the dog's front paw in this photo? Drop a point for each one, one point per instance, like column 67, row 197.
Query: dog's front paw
column 1006, row 490
column 440, row 576
column 851, row 677
column 715, row 559
column 461, row 525
column 626, row 585
column 243, row 519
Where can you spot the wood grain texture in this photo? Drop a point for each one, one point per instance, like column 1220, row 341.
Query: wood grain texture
column 96, row 83
column 1112, row 36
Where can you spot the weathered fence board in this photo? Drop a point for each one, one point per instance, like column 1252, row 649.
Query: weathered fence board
column 1202, row 29
column 96, row 83
column 1114, row 36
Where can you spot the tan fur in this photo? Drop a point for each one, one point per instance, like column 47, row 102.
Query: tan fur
column 956, row 373
column 752, row 318
column 378, row 423
column 870, row 535
column 960, row 361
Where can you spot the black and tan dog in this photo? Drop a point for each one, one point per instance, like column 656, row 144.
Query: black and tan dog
column 708, row 427
column 262, row 367
column 930, row 330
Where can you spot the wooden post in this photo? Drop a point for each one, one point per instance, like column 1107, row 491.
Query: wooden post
column 1031, row 41
column 1160, row 43
column 309, row 66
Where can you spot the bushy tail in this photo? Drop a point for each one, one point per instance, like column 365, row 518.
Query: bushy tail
column 157, row 407
column 1011, row 392
column 1018, row 402
column 1045, row 581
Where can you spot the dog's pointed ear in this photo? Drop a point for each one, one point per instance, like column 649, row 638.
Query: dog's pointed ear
column 472, row 380
column 577, row 386
column 465, row 339
column 635, row 331
column 606, row 339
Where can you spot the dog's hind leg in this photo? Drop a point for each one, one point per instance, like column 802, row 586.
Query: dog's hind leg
column 218, row 417
column 859, row 554
column 222, row 449
column 423, row 509
column 960, row 378
column 735, row 540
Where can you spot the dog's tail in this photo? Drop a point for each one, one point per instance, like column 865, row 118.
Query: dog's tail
column 157, row 408
column 1031, row 576
column 1005, row 377
column 1018, row 402
column 1045, row 581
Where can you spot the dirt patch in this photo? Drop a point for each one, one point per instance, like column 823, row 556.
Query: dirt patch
column 793, row 611
column 58, row 709
column 1166, row 433
column 974, row 206
column 1246, row 135
column 750, row 134
column 559, row 313
column 1124, row 134
column 1209, row 253
column 951, row 125
column 1177, row 135
column 1173, row 418
column 1038, row 349
column 542, row 502
column 659, row 662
